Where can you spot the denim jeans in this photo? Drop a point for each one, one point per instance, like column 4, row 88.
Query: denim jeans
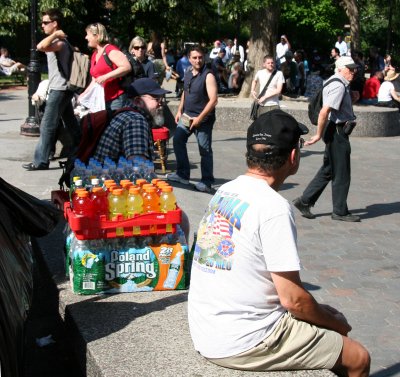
column 58, row 106
column 116, row 103
column 204, row 139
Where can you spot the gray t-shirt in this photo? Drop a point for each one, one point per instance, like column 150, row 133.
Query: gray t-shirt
column 337, row 96
column 56, row 80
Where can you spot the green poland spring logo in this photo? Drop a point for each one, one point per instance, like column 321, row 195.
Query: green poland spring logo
column 132, row 270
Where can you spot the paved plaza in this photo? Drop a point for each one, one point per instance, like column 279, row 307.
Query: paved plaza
column 352, row 266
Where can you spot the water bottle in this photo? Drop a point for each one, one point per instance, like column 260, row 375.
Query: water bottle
column 95, row 182
column 77, row 170
column 149, row 171
column 173, row 271
column 104, row 175
column 88, row 267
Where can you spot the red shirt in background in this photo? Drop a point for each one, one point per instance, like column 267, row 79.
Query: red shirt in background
column 371, row 88
column 112, row 88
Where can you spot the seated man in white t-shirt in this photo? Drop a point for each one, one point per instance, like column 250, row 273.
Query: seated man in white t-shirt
column 9, row 66
column 247, row 306
column 270, row 100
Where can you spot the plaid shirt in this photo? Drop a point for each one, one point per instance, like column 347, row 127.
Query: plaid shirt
column 128, row 134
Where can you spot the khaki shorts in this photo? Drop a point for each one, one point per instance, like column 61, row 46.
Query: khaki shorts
column 265, row 109
column 293, row 345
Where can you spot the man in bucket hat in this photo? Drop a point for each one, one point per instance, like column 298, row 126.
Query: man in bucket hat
column 129, row 132
column 336, row 120
column 247, row 306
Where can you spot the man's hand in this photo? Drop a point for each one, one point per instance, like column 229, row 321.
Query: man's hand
column 340, row 317
column 60, row 34
column 195, row 122
column 313, row 140
column 178, row 116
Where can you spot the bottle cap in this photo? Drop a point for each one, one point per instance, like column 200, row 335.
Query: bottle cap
column 141, row 181
column 134, row 190
column 95, row 181
column 150, row 189
column 117, row 191
column 83, row 193
column 98, row 190
column 166, row 188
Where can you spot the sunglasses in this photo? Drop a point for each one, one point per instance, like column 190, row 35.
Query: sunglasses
column 158, row 99
column 139, row 47
column 46, row 22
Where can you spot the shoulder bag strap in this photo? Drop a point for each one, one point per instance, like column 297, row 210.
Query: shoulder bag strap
column 266, row 85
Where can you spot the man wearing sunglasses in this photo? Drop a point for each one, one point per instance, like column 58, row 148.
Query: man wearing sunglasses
column 336, row 120
column 129, row 132
column 247, row 306
column 58, row 104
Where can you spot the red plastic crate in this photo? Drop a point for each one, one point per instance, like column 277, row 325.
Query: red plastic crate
column 160, row 133
column 147, row 224
column 59, row 197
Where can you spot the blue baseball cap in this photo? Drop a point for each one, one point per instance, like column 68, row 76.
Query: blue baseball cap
column 145, row 86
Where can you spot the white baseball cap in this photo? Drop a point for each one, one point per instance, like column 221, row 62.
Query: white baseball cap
column 345, row 61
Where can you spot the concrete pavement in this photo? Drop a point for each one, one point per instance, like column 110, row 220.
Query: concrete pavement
column 352, row 266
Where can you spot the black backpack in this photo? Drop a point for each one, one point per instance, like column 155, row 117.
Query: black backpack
column 137, row 70
column 315, row 105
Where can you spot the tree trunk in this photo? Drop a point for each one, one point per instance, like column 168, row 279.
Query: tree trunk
column 352, row 12
column 263, row 37
column 389, row 29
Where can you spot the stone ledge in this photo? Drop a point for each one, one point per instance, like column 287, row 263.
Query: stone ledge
column 233, row 115
column 133, row 334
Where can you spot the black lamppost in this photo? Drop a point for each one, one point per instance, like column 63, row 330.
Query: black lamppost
column 31, row 126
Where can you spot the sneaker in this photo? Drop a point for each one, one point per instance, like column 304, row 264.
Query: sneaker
column 176, row 178
column 349, row 218
column 303, row 208
column 201, row 186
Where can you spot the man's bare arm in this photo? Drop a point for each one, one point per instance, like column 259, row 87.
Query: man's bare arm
column 299, row 302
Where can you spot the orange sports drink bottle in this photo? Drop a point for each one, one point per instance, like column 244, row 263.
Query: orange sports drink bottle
column 151, row 201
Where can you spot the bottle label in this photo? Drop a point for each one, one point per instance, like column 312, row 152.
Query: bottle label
column 129, row 265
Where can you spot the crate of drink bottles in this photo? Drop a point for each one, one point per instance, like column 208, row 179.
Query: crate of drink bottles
column 146, row 224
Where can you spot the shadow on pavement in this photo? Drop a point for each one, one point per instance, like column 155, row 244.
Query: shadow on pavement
column 391, row 371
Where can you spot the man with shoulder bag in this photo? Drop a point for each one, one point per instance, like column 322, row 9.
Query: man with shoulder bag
column 271, row 83
column 336, row 121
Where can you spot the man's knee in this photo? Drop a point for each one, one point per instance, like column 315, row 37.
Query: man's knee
column 354, row 358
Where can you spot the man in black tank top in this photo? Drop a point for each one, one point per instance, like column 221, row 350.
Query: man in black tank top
column 196, row 114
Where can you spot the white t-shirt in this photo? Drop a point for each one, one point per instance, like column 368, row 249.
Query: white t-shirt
column 247, row 232
column 214, row 52
column 262, row 76
column 342, row 46
column 280, row 51
column 384, row 91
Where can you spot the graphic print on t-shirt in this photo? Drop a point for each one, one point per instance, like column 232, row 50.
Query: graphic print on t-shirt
column 214, row 248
